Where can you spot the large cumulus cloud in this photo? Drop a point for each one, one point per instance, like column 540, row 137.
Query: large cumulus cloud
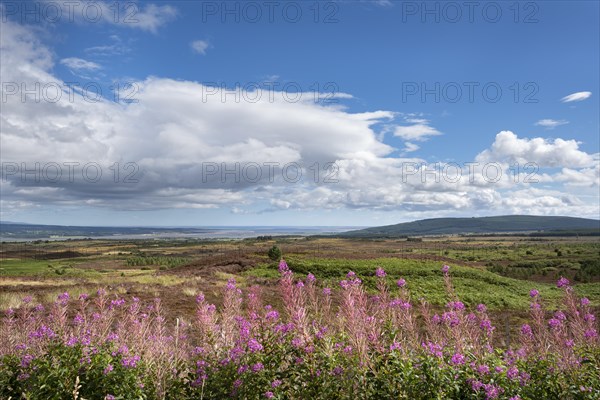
column 177, row 132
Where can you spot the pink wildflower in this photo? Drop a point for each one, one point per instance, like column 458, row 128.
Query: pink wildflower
column 562, row 282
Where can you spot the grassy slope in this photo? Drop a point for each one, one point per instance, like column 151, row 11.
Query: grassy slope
column 424, row 280
column 508, row 223
column 44, row 268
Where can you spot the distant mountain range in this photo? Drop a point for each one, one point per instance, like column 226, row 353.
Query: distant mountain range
column 481, row 225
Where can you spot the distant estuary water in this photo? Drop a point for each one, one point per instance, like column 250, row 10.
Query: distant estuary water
column 26, row 232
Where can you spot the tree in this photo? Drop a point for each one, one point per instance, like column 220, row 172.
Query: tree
column 274, row 253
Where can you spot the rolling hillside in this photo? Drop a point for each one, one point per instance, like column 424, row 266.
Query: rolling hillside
column 481, row 225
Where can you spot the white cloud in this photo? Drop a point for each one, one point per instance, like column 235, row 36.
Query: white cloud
column 22, row 49
column 544, row 152
column 579, row 96
column 585, row 177
column 410, row 147
column 144, row 16
column 200, row 46
column 79, row 64
column 540, row 200
column 116, row 48
column 551, row 123
column 151, row 17
column 381, row 3
column 177, row 127
column 419, row 132
column 412, row 120
column 271, row 78
column 169, row 133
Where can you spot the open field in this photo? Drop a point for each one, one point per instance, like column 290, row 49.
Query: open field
column 494, row 270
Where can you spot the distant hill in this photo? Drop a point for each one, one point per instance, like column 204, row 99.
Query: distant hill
column 481, row 225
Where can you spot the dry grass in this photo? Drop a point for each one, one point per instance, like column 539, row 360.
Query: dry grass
column 190, row 291
column 14, row 282
column 11, row 299
column 136, row 276
column 50, row 296
column 162, row 280
column 223, row 277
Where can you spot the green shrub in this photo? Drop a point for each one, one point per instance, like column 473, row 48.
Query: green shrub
column 57, row 374
column 274, row 253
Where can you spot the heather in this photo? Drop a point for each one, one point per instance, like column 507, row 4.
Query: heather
column 325, row 340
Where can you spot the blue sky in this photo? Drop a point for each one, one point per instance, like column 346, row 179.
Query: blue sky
column 393, row 69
